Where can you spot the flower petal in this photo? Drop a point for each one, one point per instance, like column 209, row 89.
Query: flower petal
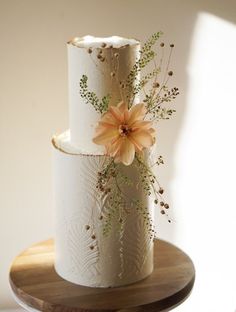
column 107, row 117
column 137, row 112
column 114, row 148
column 106, row 125
column 106, row 136
column 127, row 152
column 138, row 147
column 141, row 124
column 143, row 138
column 122, row 106
column 115, row 112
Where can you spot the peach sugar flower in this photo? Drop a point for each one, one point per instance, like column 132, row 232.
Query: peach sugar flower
column 123, row 132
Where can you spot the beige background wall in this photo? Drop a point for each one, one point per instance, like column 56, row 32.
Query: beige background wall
column 33, row 106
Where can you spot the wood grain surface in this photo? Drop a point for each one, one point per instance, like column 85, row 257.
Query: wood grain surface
column 35, row 283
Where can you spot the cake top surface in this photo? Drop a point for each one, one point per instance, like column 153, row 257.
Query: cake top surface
column 63, row 143
column 102, row 42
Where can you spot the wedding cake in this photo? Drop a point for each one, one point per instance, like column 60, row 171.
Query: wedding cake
column 103, row 215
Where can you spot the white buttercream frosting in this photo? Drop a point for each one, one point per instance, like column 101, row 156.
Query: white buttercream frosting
column 63, row 143
column 84, row 255
column 105, row 42
column 83, row 117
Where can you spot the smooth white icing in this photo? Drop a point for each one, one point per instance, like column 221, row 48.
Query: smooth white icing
column 119, row 258
column 83, row 118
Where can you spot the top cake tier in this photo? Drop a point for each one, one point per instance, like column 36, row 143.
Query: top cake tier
column 106, row 62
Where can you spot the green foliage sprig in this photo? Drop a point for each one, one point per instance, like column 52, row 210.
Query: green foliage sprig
column 150, row 42
column 118, row 206
column 108, row 183
column 100, row 106
column 146, row 56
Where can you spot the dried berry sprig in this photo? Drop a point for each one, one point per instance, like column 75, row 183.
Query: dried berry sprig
column 159, row 161
column 160, row 93
column 151, row 185
column 148, row 220
column 118, row 205
column 110, row 182
column 139, row 86
column 155, row 107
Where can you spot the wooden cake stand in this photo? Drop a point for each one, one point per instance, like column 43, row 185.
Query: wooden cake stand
column 36, row 285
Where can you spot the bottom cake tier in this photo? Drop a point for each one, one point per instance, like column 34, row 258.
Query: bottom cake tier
column 97, row 243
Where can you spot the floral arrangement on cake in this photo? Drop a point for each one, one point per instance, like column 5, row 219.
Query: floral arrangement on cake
column 128, row 131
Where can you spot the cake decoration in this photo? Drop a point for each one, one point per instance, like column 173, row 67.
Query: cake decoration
column 124, row 132
column 105, row 190
column 127, row 129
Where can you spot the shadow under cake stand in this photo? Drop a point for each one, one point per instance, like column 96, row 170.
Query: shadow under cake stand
column 37, row 287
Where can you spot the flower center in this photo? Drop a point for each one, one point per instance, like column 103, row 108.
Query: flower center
column 124, row 130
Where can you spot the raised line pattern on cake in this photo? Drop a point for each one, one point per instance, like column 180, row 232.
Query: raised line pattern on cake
column 83, row 254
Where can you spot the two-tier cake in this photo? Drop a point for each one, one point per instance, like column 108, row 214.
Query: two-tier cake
column 103, row 214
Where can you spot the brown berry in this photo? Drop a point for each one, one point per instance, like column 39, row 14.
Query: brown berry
column 104, row 45
column 162, row 44
column 156, row 85
column 156, row 201
column 162, row 211
column 91, row 247
column 172, row 45
column 162, row 204
column 93, row 236
column 166, row 206
column 90, row 50
column 170, row 73
column 87, row 227
column 161, row 191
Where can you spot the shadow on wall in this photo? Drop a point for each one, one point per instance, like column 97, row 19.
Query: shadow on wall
column 169, row 132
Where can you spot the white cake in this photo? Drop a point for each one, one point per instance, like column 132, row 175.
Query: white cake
column 83, row 253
